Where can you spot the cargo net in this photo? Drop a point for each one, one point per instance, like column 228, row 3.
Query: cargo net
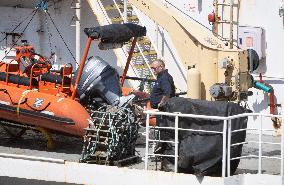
column 111, row 140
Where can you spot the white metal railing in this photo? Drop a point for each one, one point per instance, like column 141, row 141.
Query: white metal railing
column 31, row 158
column 226, row 134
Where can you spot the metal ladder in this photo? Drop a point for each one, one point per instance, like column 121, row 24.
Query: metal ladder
column 116, row 11
column 233, row 6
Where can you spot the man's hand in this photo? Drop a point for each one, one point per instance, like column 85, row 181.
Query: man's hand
column 140, row 94
column 163, row 101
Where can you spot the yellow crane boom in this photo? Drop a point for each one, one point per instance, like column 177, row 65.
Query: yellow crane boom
column 217, row 64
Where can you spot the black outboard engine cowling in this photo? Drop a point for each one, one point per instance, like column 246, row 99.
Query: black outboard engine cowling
column 100, row 80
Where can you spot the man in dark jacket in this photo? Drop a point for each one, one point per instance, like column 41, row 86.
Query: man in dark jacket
column 164, row 87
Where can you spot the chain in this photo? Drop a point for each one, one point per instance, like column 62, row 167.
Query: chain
column 116, row 128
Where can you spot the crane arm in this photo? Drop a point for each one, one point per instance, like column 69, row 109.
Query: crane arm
column 198, row 46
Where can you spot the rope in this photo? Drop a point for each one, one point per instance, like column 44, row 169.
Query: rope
column 61, row 37
column 21, row 35
column 20, row 100
column 48, row 137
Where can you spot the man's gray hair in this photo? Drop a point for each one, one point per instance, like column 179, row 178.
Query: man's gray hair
column 160, row 61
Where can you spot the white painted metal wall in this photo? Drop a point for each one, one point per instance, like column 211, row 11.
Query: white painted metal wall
column 10, row 17
column 265, row 14
column 62, row 14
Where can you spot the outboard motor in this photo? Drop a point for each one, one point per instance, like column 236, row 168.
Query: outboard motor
column 101, row 81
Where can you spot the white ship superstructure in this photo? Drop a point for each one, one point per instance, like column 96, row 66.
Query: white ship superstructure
column 240, row 25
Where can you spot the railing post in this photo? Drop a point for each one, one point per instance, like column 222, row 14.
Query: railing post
column 176, row 143
column 147, row 141
column 282, row 146
column 260, row 145
column 224, row 149
column 229, row 148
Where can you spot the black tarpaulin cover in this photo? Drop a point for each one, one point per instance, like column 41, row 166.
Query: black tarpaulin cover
column 116, row 33
column 201, row 153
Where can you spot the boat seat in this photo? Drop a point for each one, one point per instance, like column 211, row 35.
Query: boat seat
column 16, row 79
column 54, row 78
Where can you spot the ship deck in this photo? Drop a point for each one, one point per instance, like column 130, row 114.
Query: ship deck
column 69, row 149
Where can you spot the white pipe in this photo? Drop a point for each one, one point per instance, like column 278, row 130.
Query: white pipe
column 147, row 140
column 176, row 144
column 224, row 149
column 229, row 148
column 282, row 146
column 78, row 32
column 260, row 146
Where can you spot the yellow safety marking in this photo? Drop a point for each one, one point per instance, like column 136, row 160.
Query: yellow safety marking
column 118, row 19
column 142, row 41
column 113, row 7
column 152, row 52
column 140, row 66
column 20, row 100
column 145, row 40
column 47, row 135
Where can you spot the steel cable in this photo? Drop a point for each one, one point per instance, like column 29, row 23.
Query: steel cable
column 61, row 37
column 21, row 22
column 49, row 36
column 20, row 36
